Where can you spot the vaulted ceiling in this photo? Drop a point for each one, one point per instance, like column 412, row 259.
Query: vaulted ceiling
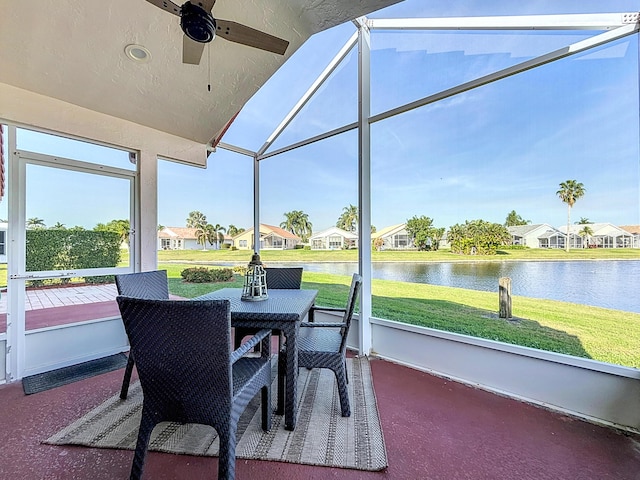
column 74, row 51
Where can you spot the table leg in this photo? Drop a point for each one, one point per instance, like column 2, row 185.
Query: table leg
column 282, row 371
column 291, row 376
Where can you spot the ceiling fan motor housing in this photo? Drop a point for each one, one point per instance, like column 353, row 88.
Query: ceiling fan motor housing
column 197, row 24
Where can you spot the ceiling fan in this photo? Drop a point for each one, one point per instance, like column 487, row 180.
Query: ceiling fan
column 200, row 27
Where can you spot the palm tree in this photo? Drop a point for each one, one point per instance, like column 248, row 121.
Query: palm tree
column 58, row 226
column 570, row 191
column 349, row 219
column 583, row 221
column 201, row 236
column 297, row 222
column 196, row 219
column 586, row 233
column 34, row 222
column 232, row 230
column 513, row 219
column 217, row 234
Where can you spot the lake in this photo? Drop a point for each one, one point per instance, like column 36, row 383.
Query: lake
column 605, row 283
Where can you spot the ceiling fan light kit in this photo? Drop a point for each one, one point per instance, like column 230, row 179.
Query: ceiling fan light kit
column 196, row 23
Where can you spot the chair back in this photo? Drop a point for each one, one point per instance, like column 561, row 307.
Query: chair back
column 356, row 283
column 284, row 278
column 150, row 285
column 183, row 357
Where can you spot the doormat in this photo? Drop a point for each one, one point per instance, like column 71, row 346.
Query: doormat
column 65, row 375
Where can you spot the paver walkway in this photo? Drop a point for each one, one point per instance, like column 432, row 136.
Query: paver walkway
column 67, row 296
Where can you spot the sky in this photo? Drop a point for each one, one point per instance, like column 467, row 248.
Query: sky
column 477, row 155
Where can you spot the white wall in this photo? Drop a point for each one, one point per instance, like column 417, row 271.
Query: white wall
column 3, row 359
column 595, row 391
column 57, row 347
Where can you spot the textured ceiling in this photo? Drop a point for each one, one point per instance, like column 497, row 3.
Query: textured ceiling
column 73, row 50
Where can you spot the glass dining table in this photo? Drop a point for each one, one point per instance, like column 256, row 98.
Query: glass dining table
column 282, row 312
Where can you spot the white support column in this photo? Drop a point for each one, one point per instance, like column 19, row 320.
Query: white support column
column 256, row 204
column 146, row 225
column 364, row 185
column 16, row 260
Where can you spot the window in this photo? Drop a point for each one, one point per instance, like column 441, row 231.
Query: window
column 243, row 243
column 165, row 243
column 400, row 241
column 335, row 242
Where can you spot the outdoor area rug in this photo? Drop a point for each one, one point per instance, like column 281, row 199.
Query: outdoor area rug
column 321, row 437
column 73, row 373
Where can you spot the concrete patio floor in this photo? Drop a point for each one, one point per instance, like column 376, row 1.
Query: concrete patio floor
column 434, row 428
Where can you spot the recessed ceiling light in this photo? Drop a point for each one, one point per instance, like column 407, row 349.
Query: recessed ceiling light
column 137, row 53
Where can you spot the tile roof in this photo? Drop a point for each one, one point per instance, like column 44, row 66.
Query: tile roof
column 267, row 229
column 178, row 232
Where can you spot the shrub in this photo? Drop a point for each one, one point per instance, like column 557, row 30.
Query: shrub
column 206, row 275
column 240, row 269
column 514, row 247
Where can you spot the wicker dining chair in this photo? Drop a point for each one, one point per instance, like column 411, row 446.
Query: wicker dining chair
column 277, row 279
column 324, row 345
column 150, row 285
column 189, row 374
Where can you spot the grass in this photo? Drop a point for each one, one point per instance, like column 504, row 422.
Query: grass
column 526, row 254
column 601, row 334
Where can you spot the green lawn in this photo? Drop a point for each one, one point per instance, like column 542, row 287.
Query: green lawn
column 539, row 254
column 601, row 334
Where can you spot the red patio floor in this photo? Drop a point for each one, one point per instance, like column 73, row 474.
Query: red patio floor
column 434, row 429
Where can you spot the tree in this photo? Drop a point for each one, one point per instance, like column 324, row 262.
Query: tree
column 477, row 237
column 58, row 226
column 196, row 219
column 201, row 236
column 232, row 230
column 436, row 237
column 297, row 222
column 348, row 220
column 583, row 221
column 121, row 227
column 419, row 229
column 514, row 219
column 586, row 233
column 216, row 234
column 35, row 223
column 570, row 191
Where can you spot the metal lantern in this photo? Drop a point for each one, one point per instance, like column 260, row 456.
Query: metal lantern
column 255, row 281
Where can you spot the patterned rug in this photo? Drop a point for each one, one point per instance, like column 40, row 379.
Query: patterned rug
column 321, row 437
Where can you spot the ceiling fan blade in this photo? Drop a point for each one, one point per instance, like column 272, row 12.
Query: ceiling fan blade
column 167, row 5
column 206, row 4
column 238, row 33
column 191, row 51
